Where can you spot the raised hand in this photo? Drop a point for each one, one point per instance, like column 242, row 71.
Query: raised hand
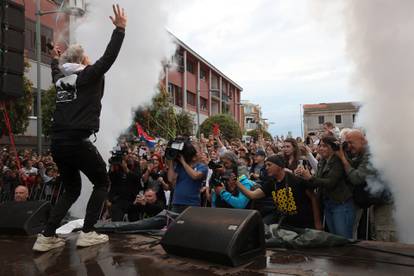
column 120, row 19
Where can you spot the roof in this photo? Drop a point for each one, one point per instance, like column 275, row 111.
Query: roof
column 331, row 106
column 187, row 48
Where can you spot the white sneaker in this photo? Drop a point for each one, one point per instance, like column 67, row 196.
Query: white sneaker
column 44, row 244
column 91, row 238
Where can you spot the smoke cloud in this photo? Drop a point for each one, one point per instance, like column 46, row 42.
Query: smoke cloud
column 380, row 42
column 133, row 79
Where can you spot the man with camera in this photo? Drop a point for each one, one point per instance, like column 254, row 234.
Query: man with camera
column 355, row 156
column 186, row 175
column 79, row 91
column 125, row 185
column 148, row 204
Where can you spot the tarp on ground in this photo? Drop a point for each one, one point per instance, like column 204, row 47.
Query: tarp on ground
column 151, row 225
column 290, row 237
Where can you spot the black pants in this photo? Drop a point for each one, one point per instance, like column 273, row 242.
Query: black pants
column 71, row 159
column 120, row 208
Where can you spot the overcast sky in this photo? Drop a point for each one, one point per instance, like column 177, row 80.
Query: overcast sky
column 283, row 53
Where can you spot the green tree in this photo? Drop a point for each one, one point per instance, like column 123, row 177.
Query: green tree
column 48, row 107
column 19, row 109
column 255, row 133
column 159, row 119
column 184, row 123
column 229, row 128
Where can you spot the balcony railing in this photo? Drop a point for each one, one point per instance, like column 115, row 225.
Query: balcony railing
column 215, row 94
column 251, row 126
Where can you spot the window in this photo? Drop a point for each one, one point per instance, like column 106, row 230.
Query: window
column 203, row 104
column 353, row 118
column 46, row 35
column 214, row 82
column 171, row 93
column 178, row 60
column 190, row 67
column 338, row 119
column 191, row 98
column 175, row 94
column 321, row 120
column 202, row 74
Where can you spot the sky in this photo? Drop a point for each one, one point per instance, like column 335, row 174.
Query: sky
column 283, row 53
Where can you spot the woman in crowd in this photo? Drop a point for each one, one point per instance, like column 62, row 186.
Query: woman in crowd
column 293, row 160
column 155, row 177
column 336, row 195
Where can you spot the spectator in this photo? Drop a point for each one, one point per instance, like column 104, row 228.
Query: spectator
column 288, row 193
column 125, row 185
column 21, row 194
column 330, row 130
column 331, row 179
column 356, row 161
column 29, row 175
column 148, row 204
column 291, row 153
column 186, row 174
column 257, row 171
column 155, row 177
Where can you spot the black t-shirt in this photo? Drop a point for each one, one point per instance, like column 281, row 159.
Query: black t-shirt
column 289, row 197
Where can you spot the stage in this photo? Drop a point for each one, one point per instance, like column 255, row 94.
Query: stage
column 141, row 255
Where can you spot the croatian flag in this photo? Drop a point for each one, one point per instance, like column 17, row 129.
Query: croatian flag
column 145, row 137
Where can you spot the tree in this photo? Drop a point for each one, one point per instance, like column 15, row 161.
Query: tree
column 19, row 109
column 184, row 123
column 160, row 119
column 48, row 107
column 229, row 128
column 255, row 134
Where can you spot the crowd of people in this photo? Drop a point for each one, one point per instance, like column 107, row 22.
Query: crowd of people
column 24, row 175
column 317, row 183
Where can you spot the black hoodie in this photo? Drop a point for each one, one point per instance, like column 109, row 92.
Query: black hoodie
column 79, row 94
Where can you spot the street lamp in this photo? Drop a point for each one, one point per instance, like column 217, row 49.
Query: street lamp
column 76, row 11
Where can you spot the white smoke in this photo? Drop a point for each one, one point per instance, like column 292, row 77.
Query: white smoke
column 133, row 79
column 380, row 41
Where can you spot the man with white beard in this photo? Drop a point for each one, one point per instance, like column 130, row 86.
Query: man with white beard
column 79, row 91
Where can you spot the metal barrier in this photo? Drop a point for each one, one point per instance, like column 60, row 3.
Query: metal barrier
column 49, row 191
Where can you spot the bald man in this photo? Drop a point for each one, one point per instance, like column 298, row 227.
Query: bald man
column 357, row 164
column 358, row 169
column 21, row 194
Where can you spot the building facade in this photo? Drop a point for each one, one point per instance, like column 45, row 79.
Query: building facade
column 193, row 83
column 342, row 115
column 54, row 26
column 196, row 86
column 251, row 115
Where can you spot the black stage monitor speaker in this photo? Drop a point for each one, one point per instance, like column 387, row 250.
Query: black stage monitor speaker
column 226, row 236
column 12, row 22
column 11, row 85
column 23, row 218
column 12, row 15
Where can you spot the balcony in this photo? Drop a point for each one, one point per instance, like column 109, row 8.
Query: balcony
column 215, row 94
column 226, row 98
column 250, row 126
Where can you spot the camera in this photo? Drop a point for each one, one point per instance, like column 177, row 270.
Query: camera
column 215, row 165
column 337, row 146
column 118, row 154
column 180, row 146
column 174, row 147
